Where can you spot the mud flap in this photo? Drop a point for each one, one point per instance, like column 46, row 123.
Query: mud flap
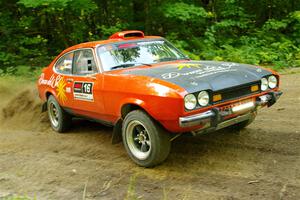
column 44, row 107
column 117, row 133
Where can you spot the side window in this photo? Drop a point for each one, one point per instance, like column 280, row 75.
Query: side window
column 64, row 64
column 84, row 62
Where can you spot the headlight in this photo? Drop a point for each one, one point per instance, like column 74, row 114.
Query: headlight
column 203, row 98
column 190, row 101
column 264, row 84
column 272, row 82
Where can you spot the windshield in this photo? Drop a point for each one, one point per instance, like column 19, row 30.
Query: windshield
column 134, row 53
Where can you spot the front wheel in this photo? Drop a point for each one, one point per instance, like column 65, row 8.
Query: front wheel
column 59, row 119
column 146, row 142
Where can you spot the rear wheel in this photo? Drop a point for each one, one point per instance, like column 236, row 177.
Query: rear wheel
column 59, row 119
column 146, row 142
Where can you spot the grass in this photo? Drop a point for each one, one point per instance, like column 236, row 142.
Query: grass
column 131, row 193
column 9, row 84
column 22, row 72
column 16, row 78
column 16, row 197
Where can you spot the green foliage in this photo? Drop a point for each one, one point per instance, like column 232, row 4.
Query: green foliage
column 37, row 3
column 184, row 12
column 51, row 5
column 273, row 24
column 109, row 30
column 33, row 32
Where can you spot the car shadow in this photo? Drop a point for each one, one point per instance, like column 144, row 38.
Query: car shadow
column 220, row 137
column 80, row 125
column 185, row 147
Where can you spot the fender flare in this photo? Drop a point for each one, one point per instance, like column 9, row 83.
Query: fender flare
column 133, row 104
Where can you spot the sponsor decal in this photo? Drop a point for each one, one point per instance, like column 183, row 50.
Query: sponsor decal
column 127, row 45
column 258, row 70
column 57, row 82
column 52, row 82
column 61, row 92
column 229, row 64
column 170, row 75
column 201, row 72
column 68, row 90
column 83, row 91
column 180, row 67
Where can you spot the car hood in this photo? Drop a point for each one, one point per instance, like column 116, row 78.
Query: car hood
column 194, row 76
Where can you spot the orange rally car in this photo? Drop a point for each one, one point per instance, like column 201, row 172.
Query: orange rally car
column 151, row 92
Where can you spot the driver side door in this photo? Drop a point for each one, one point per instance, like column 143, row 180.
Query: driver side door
column 87, row 84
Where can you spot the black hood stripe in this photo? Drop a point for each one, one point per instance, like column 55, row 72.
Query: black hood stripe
column 194, row 76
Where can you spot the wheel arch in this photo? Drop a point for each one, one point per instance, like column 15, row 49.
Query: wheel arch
column 128, row 107
column 46, row 96
column 125, row 108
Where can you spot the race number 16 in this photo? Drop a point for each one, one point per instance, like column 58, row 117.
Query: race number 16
column 87, row 88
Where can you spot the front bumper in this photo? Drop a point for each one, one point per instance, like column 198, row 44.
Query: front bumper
column 216, row 118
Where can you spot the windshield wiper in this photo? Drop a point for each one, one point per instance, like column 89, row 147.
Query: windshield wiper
column 125, row 65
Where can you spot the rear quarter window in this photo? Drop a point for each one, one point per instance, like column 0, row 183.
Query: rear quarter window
column 64, row 64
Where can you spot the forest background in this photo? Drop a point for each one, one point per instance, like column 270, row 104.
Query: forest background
column 265, row 32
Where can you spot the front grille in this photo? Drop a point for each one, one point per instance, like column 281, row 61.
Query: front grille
column 236, row 92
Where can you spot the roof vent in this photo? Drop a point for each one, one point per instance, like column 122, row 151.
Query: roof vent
column 127, row 34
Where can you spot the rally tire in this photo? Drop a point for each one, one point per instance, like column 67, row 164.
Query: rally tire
column 60, row 120
column 146, row 142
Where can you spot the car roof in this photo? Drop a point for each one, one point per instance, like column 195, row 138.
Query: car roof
column 117, row 37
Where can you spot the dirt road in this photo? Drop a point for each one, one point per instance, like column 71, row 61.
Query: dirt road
column 260, row 162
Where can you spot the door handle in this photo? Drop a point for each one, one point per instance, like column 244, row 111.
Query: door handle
column 69, row 80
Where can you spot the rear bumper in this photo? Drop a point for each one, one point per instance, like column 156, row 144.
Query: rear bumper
column 217, row 119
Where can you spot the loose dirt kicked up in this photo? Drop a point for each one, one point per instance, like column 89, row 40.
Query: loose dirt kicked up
column 259, row 162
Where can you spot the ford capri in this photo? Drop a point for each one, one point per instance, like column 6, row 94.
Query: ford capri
column 150, row 92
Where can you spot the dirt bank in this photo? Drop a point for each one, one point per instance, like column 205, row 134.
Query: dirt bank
column 260, row 162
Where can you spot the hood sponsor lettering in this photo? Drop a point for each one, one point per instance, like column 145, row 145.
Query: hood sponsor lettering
column 170, row 75
column 229, row 64
column 182, row 66
column 206, row 71
column 195, row 76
